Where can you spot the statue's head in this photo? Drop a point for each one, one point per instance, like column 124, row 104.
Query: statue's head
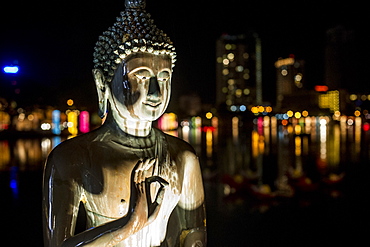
column 133, row 64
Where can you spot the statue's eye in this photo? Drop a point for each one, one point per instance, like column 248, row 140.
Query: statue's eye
column 142, row 74
column 163, row 76
column 141, row 77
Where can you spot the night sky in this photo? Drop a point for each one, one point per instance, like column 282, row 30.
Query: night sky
column 53, row 41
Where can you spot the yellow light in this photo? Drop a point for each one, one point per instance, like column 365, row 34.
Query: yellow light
column 231, row 81
column 228, row 47
column 230, row 56
column 337, row 114
column 285, row 61
column 261, row 109
column 298, row 129
column 209, row 115
column 225, row 61
column 297, row 115
column 284, row 72
column 72, row 122
column 268, row 109
column 289, row 113
column 353, row 97
column 70, row 102
column 305, row 113
column 254, row 109
column 357, row 113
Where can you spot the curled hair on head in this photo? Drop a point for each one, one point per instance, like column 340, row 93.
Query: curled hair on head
column 133, row 31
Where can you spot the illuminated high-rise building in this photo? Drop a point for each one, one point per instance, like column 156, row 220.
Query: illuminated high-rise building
column 289, row 81
column 238, row 71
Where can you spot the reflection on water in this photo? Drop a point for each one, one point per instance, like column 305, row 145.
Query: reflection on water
column 267, row 153
column 248, row 166
column 26, row 154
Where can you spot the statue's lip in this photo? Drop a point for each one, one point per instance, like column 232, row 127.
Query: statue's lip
column 152, row 103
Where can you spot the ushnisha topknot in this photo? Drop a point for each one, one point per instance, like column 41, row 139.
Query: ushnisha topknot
column 133, row 31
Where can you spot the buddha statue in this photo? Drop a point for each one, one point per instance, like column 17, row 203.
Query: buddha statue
column 138, row 186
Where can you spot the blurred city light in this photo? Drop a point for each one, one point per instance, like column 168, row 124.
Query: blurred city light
column 84, row 125
column 11, row 69
column 70, row 102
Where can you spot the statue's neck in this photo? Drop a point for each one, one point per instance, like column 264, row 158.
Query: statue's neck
column 132, row 127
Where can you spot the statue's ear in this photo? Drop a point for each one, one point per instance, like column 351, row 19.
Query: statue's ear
column 102, row 90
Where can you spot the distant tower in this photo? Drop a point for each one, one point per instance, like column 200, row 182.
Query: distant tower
column 340, row 58
column 289, row 79
column 238, row 71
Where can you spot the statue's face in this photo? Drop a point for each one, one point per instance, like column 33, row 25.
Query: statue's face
column 144, row 91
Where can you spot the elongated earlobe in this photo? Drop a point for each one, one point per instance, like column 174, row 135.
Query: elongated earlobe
column 102, row 90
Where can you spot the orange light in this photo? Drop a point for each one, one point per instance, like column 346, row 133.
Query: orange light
column 70, row 102
column 321, row 88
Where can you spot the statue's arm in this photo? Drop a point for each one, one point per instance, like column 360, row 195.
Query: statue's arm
column 60, row 202
column 192, row 204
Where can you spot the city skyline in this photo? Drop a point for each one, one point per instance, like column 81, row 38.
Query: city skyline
column 54, row 45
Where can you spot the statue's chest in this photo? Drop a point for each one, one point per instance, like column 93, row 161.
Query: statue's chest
column 111, row 200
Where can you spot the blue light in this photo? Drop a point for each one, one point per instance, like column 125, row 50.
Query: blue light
column 11, row 69
column 13, row 184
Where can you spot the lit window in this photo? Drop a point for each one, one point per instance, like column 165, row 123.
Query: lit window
column 353, row 97
column 231, row 81
column 246, row 91
column 246, row 76
column 284, row 72
column 239, row 68
column 238, row 93
column 219, row 60
column 231, row 56
column 233, row 108
column 298, row 77
column 225, row 61
column 225, row 71
column 225, row 90
column 228, row 47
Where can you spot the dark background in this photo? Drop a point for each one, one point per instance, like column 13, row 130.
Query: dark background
column 53, row 41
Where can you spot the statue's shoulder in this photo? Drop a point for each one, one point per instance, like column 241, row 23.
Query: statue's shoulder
column 180, row 149
column 178, row 144
column 71, row 151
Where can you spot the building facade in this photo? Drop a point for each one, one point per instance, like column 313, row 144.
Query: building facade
column 238, row 71
column 289, row 81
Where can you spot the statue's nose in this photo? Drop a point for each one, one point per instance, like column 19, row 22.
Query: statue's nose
column 154, row 89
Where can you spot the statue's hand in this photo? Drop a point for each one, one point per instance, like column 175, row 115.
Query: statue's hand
column 146, row 210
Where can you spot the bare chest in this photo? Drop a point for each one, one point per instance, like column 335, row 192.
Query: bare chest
column 113, row 199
